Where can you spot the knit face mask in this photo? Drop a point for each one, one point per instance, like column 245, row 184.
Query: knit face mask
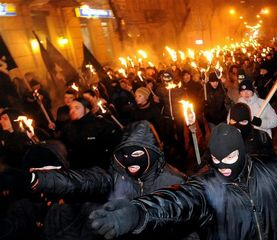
column 227, row 150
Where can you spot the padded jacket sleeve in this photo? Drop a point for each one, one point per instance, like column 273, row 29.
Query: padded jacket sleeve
column 86, row 182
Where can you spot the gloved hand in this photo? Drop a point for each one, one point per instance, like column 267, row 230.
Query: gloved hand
column 115, row 219
column 15, row 180
column 257, row 121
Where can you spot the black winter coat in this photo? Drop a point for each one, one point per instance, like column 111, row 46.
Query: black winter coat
column 96, row 185
column 90, row 141
column 243, row 209
column 215, row 110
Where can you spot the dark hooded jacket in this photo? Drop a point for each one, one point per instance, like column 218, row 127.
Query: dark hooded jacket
column 95, row 184
column 242, row 209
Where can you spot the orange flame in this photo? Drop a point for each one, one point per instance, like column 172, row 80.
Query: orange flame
column 75, row 87
column 171, row 85
column 100, row 105
column 189, row 113
column 27, row 121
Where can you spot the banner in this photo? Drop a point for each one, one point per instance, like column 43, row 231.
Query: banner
column 6, row 56
column 64, row 69
column 49, row 64
column 89, row 59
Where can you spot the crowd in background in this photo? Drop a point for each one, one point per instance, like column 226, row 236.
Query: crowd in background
column 98, row 118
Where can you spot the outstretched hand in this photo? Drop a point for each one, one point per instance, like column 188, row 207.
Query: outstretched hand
column 115, row 218
column 15, row 180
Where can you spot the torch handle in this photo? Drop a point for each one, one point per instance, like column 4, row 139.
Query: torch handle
column 116, row 121
column 267, row 99
column 205, row 91
column 44, row 111
column 195, row 143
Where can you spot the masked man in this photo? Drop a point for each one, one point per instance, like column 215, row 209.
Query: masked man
column 235, row 199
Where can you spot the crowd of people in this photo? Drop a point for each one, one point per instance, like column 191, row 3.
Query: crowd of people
column 118, row 157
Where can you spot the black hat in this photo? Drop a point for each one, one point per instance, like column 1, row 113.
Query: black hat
column 50, row 153
column 241, row 75
column 167, row 76
column 34, row 82
column 246, row 85
column 213, row 77
column 240, row 112
column 185, row 71
column 13, row 115
column 84, row 102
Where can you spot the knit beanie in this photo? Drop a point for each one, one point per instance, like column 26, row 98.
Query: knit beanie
column 213, row 77
column 84, row 102
column 143, row 91
column 240, row 112
column 246, row 85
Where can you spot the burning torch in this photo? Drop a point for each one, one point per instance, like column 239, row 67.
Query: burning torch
column 103, row 110
column 75, row 88
column 25, row 124
column 37, row 98
column 190, row 118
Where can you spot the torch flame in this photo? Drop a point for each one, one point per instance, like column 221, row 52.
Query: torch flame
column 139, row 75
column 90, row 67
column 172, row 53
column 189, row 113
column 28, row 123
column 142, row 53
column 170, row 85
column 122, row 71
column 191, row 53
column 75, row 87
column 123, row 61
column 131, row 61
column 100, row 105
column 193, row 64
column 182, row 55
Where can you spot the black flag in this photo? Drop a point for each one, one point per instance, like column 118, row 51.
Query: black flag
column 6, row 56
column 49, row 64
column 90, row 59
column 7, row 63
column 66, row 69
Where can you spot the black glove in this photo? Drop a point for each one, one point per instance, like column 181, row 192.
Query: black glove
column 257, row 121
column 115, row 219
column 15, row 180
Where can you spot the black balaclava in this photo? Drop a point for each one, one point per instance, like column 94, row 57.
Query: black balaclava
column 240, row 112
column 224, row 140
column 135, row 159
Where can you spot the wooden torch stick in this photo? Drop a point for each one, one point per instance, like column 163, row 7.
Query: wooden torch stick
column 267, row 99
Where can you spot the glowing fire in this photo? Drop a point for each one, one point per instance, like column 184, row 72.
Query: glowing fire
column 123, row 61
column 172, row 53
column 139, row 75
column 25, row 124
column 170, row 85
column 100, row 105
column 189, row 113
column 75, row 87
column 122, row 71
column 90, row 67
column 142, row 53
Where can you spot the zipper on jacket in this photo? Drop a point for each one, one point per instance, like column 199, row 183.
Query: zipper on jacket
column 253, row 210
column 141, row 186
column 256, row 218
